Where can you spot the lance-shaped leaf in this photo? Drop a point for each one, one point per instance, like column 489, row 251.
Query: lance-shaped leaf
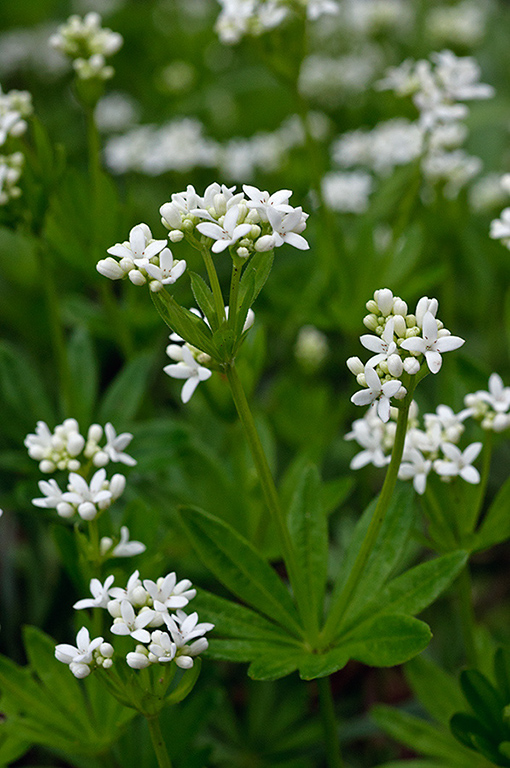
column 255, row 275
column 496, row 525
column 238, row 565
column 387, row 640
column 185, row 323
column 309, row 533
column 204, row 298
column 437, row 690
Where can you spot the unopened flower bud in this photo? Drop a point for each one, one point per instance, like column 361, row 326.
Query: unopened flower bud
column 355, row 365
column 170, row 216
column 47, row 466
column 155, row 286
column 117, row 485
column 399, row 307
column 100, row 459
column 384, row 299
column 411, row 365
column 87, row 510
column 442, row 332
column 360, row 378
column 73, row 465
column 105, row 545
column 95, row 433
column 75, row 444
column 399, row 326
column 220, row 204
column 175, row 235
column 415, row 331
column 111, row 268
column 372, row 306
column 371, row 322
column 255, row 232
column 136, row 277
column 264, row 243
column 395, row 365
column 188, row 225
column 243, row 253
column 64, row 509
column 400, row 393
column 411, row 321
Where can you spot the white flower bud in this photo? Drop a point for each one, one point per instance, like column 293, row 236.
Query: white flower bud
column 170, row 216
column 75, row 444
column 355, row 365
column 106, row 650
column 107, row 663
column 87, row 510
column 95, row 433
column 175, row 235
column 184, row 662
column 139, row 596
column 73, row 465
column 395, row 365
column 372, row 306
column 110, row 268
column 220, row 204
column 138, row 660
column 255, row 232
column 411, row 365
column 371, row 322
column 264, row 243
column 136, row 277
column 155, row 286
column 64, row 509
column 400, row 393
column 442, row 332
column 243, row 253
column 384, row 299
column 399, row 307
column 360, row 378
column 425, row 305
column 47, row 466
column 199, row 646
column 411, row 321
column 127, row 264
column 114, row 610
column 100, row 459
column 105, row 544
column 79, row 670
column 399, row 326
column 117, row 485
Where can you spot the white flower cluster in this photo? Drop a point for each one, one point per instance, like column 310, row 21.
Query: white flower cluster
column 489, row 192
column 311, row 347
column 464, row 23
column 254, row 17
column 250, row 221
column 492, row 408
column 191, row 363
column 142, row 258
column 400, row 341
column 15, row 106
column 329, row 81
column 347, row 192
column 88, row 45
column 500, row 228
column 86, row 499
column 66, row 448
column 431, row 448
column 140, row 611
column 375, row 17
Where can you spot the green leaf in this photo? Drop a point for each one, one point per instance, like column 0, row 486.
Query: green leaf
column 21, row 388
column 238, row 565
column 255, row 275
column 502, row 672
column 274, row 665
column 186, row 684
column 438, row 691
column 424, row 737
column 125, row 394
column 185, row 323
column 248, row 650
column 224, row 340
column 417, row 588
column 11, row 748
column 312, row 666
column 496, row 525
column 309, row 533
column 387, row 640
column 204, row 298
column 84, row 375
column 484, row 699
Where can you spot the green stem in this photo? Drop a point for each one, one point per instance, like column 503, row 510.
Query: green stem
column 215, row 283
column 158, row 742
column 467, row 615
column 234, row 293
column 329, row 724
column 56, row 330
column 270, row 495
column 482, row 487
column 445, row 534
column 340, row 606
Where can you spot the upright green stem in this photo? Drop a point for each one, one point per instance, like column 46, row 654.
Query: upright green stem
column 467, row 615
column 56, row 330
column 158, row 742
column 339, row 607
column 482, row 486
column 438, row 522
column 270, row 492
column 234, row 293
column 329, row 724
column 215, row 283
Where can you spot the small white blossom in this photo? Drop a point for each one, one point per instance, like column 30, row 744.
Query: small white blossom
column 100, row 595
column 162, row 649
column 131, row 624
column 170, row 593
column 186, row 368
column 168, row 270
column 430, row 345
column 134, row 594
column 415, row 467
column 115, row 445
column 125, row 547
column 377, row 391
column 500, row 228
column 80, row 658
column 227, row 234
column 134, row 254
column 88, row 498
column 459, row 462
column 58, row 449
column 87, row 44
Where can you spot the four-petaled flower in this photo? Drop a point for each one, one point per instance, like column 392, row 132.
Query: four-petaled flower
column 285, row 225
column 228, row 234
column 80, row 657
column 415, row 466
column 100, row 595
column 459, row 462
column 128, row 623
column 115, row 445
column 168, row 270
column 88, row 498
column 384, row 345
column 430, row 345
column 262, row 201
column 140, row 248
column 377, row 391
column 187, row 368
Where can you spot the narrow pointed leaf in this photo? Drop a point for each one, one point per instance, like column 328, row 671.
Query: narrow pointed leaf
column 238, row 565
column 255, row 275
column 484, row 699
column 387, row 640
column 496, row 525
column 438, row 691
column 204, row 298
column 185, row 323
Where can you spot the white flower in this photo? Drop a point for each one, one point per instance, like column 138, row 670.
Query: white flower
column 135, row 254
column 87, row 43
column 115, row 445
column 261, row 201
column 170, row 593
column 285, row 226
column 430, row 345
column 187, row 368
column 377, row 392
column 500, row 228
column 100, row 595
column 81, row 657
column 134, row 593
column 130, row 624
column 225, row 235
column 88, row 498
column 459, row 462
column 183, row 629
column 58, row 449
column 498, row 396
column 384, row 345
column 369, row 432
column 53, row 498
column 138, row 659
column 347, row 192
column 168, row 270
column 162, row 649
column 125, row 547
column 415, row 466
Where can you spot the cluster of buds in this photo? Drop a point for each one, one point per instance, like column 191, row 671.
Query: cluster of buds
column 88, row 500
column 85, row 42
column 150, row 613
column 400, row 340
column 491, row 408
column 67, row 449
column 11, row 167
column 430, row 447
column 15, row 106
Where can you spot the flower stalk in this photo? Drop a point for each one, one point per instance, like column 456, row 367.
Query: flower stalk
column 158, row 742
column 329, row 723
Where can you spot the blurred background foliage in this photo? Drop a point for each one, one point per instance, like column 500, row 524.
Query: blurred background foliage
column 172, row 66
